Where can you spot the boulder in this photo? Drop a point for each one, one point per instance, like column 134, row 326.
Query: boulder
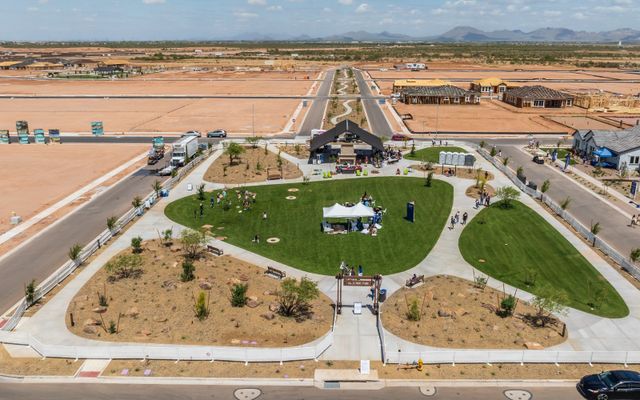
column 252, row 303
column 533, row 346
column 273, row 307
column 268, row 316
column 100, row 310
column 159, row 318
column 90, row 329
column 133, row 312
column 443, row 313
column 91, row 322
column 205, row 285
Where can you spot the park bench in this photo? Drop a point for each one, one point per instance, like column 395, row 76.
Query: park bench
column 415, row 280
column 214, row 250
column 273, row 176
column 275, row 273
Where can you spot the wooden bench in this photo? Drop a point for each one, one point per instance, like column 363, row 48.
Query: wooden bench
column 214, row 250
column 275, row 273
column 414, row 280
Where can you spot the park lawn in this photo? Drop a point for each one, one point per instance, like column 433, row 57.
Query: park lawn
column 432, row 154
column 400, row 244
column 562, row 153
column 515, row 240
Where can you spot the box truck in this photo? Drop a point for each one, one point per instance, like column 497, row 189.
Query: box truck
column 183, row 149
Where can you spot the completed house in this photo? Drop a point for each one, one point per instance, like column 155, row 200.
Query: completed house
column 618, row 149
column 538, row 97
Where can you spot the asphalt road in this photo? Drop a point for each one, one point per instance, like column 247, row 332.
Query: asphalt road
column 47, row 252
column 585, row 207
column 375, row 116
column 314, row 117
column 13, row 391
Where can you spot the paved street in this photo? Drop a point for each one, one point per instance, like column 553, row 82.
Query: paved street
column 584, row 206
column 11, row 391
column 314, row 117
column 377, row 121
column 48, row 251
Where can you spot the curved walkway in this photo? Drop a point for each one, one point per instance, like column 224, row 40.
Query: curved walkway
column 587, row 332
column 345, row 104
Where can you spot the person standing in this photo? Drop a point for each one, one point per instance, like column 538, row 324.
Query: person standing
column 633, row 221
column 264, row 215
column 457, row 217
column 464, row 218
column 452, row 223
column 201, row 210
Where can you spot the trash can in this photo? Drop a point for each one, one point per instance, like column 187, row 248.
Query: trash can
column 382, row 295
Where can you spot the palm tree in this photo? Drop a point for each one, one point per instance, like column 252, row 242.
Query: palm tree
column 111, row 223
column 137, row 202
column 157, row 186
column 74, row 253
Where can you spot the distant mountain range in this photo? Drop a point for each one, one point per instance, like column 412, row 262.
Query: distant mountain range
column 465, row 34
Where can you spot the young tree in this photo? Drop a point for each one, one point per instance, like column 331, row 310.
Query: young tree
column 253, row 141
column 482, row 144
column 429, row 180
column 157, row 187
column 505, row 161
column 564, row 204
column 188, row 270
column 111, row 223
column 136, row 202
column 239, row 295
column 294, row 297
column 74, row 253
column 546, row 185
column 507, row 194
column 413, row 312
column 167, row 236
column 234, row 150
column 192, row 242
column 548, row 301
column 635, row 255
column 595, row 229
column 136, row 244
column 201, row 192
column 201, row 306
column 125, row 266
column 520, row 171
column 30, row 292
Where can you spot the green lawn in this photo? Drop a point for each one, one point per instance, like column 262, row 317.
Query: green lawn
column 432, row 154
column 562, row 153
column 400, row 244
column 513, row 241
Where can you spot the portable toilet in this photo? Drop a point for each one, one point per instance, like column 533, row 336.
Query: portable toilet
column 38, row 135
column 469, row 160
column 442, row 158
column 449, row 158
column 454, row 158
column 4, row 137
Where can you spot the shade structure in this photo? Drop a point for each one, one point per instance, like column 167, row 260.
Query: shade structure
column 340, row 211
column 603, row 152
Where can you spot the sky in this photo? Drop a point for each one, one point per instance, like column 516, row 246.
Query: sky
column 37, row 20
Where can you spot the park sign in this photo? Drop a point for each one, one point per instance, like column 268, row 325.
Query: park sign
column 97, row 128
column 4, row 137
column 54, row 135
column 39, row 136
column 158, row 142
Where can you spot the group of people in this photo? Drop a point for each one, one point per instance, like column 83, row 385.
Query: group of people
column 484, row 200
column 367, row 200
column 455, row 219
column 244, row 197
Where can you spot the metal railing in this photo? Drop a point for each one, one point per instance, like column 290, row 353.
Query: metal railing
column 70, row 266
column 581, row 229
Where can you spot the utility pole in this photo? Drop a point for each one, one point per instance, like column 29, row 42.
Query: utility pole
column 253, row 119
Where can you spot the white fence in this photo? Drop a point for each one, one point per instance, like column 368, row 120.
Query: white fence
column 67, row 268
column 583, row 230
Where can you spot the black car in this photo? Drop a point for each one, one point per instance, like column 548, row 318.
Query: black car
column 538, row 160
column 610, row 385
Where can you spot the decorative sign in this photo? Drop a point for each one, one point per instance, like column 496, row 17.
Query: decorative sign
column 358, row 281
column 39, row 136
column 4, row 137
column 97, row 128
column 158, row 142
column 411, row 211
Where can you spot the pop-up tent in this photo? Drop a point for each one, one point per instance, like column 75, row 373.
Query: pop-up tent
column 340, row 211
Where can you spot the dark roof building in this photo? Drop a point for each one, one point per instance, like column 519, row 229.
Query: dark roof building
column 444, row 94
column 537, row 96
column 348, row 129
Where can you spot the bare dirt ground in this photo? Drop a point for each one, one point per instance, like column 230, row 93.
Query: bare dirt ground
column 151, row 115
column 460, row 172
column 232, row 75
column 582, row 122
column 37, row 176
column 487, row 116
column 467, row 75
column 455, row 314
column 306, row 369
column 238, row 172
column 632, row 121
column 613, row 87
column 475, row 192
column 300, row 151
column 158, row 307
column 36, row 366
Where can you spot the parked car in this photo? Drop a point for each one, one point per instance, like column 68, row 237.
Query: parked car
column 610, row 385
column 166, row 171
column 218, row 133
column 398, row 137
column 538, row 160
column 193, row 133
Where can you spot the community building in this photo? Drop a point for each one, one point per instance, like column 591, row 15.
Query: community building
column 538, row 97
column 491, row 87
column 614, row 149
column 445, row 94
column 346, row 143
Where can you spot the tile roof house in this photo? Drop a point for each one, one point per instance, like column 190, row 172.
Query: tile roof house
column 491, row 87
column 537, row 96
column 624, row 146
column 444, row 94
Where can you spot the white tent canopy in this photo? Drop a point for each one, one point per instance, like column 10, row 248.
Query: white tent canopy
column 340, row 211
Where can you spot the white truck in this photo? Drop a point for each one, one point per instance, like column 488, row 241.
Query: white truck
column 183, row 149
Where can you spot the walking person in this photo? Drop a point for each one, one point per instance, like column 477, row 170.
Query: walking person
column 633, row 221
column 452, row 223
column 212, row 202
column 464, row 218
column 477, row 204
column 487, row 201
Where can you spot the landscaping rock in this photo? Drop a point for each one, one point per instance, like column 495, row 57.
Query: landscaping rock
column 268, row 316
column 533, row 346
column 159, row 318
column 100, row 310
column 252, row 304
column 235, row 341
column 273, row 307
column 145, row 332
column 175, row 249
column 254, row 298
column 244, row 278
column 205, row 285
column 169, row 285
column 267, row 293
column 444, row 313
column 133, row 312
column 90, row 329
column 91, row 322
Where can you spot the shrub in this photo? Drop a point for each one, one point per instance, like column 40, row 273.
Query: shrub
column 113, row 327
column 548, row 301
column 74, row 252
column 493, row 151
column 188, row 270
column 192, row 241
column 239, row 295
column 30, row 292
column 201, row 307
column 635, row 255
column 507, row 306
column 136, row 244
column 125, row 266
column 429, row 179
column 201, row 192
column 111, row 223
column 413, row 313
column 167, row 237
column 294, row 297
column 564, row 204
column 136, row 202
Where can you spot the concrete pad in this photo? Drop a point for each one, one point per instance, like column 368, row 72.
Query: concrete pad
column 18, row 351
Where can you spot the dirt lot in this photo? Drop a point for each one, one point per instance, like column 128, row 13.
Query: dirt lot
column 306, row 369
column 581, row 122
column 238, row 172
column 36, row 366
column 488, row 116
column 455, row 314
column 37, row 176
column 150, row 115
column 158, row 307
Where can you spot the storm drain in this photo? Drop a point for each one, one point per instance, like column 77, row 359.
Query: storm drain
column 517, row 394
column 247, row 394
